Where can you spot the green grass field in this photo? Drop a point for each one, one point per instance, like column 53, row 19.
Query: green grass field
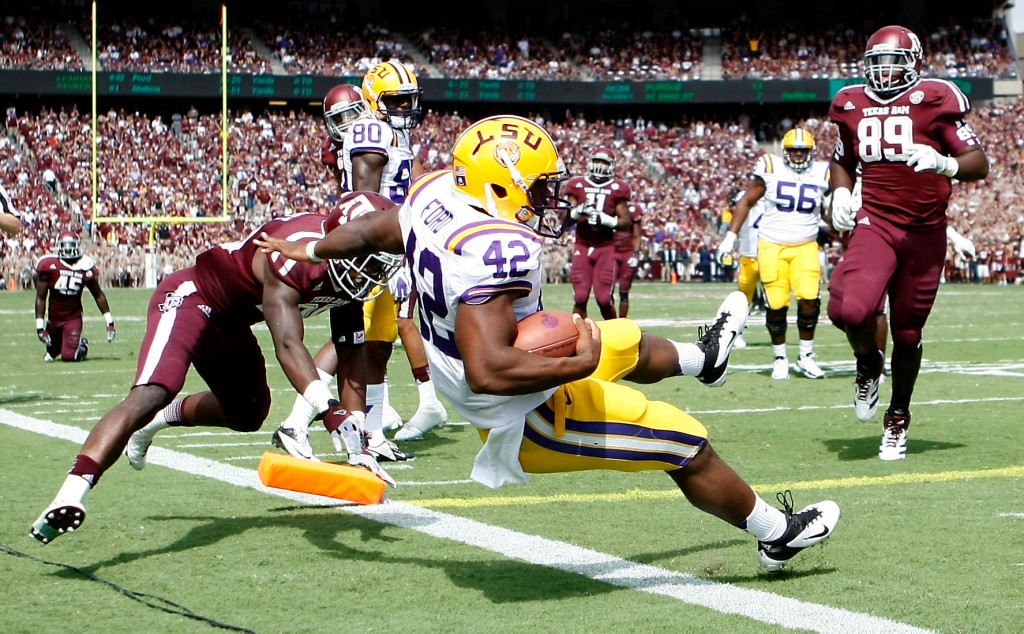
column 932, row 543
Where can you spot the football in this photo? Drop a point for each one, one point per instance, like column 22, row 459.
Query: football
column 549, row 333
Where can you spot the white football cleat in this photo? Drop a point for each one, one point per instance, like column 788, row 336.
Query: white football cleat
column 806, row 364
column 716, row 341
column 811, row 526
column 139, row 443
column 780, row 368
column 427, row 417
column 894, row 436
column 57, row 519
column 295, row 442
column 391, row 419
column 740, row 342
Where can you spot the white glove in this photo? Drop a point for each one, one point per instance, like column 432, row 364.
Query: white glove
column 844, row 216
column 367, row 460
column 632, row 262
column 347, row 430
column 925, row 157
column 400, row 284
column 582, row 209
column 604, row 219
column 351, row 437
column 964, row 247
column 727, row 245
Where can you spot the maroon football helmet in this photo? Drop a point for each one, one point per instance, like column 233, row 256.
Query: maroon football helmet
column 892, row 60
column 342, row 106
column 364, row 277
column 601, row 165
column 69, row 246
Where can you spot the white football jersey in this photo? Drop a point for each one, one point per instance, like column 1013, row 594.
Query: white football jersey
column 368, row 134
column 792, row 200
column 749, row 233
column 460, row 255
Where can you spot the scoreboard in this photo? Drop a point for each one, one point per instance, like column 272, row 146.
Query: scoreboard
column 314, row 87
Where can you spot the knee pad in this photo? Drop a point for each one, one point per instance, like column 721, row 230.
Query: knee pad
column 775, row 320
column 807, row 320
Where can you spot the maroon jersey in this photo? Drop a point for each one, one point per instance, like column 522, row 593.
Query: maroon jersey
column 605, row 197
column 879, row 134
column 330, row 153
column 224, row 273
column 66, row 281
column 624, row 237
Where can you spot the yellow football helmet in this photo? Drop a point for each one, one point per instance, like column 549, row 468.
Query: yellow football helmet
column 797, row 146
column 509, row 167
column 393, row 94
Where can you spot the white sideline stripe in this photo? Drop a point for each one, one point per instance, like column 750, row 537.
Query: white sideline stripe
column 1011, row 515
column 758, row 605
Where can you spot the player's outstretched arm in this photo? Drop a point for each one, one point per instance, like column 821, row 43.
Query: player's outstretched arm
column 373, row 233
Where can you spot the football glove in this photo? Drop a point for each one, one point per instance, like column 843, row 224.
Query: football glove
column 964, row 247
column 111, row 332
column 601, row 218
column 349, row 435
column 633, row 262
column 41, row 332
column 926, row 158
column 844, row 215
column 727, row 245
column 347, row 431
column 582, row 209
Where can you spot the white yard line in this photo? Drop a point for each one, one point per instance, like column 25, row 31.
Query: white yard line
column 758, row 605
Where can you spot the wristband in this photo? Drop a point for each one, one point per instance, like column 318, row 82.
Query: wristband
column 109, row 318
column 318, row 395
column 311, row 254
column 40, row 324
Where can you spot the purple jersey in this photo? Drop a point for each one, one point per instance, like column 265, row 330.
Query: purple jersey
column 66, row 281
column 225, row 274
column 879, row 134
column 604, row 197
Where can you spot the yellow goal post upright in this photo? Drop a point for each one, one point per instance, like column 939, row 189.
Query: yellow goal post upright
column 151, row 272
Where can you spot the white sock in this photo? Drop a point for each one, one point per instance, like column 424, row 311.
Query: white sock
column 302, row 413
column 374, row 407
column 73, row 490
column 806, row 347
column 427, row 394
column 779, row 350
column 765, row 522
column 691, row 358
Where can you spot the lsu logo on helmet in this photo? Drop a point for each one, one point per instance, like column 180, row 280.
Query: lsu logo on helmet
column 509, row 167
column 797, row 147
column 392, row 94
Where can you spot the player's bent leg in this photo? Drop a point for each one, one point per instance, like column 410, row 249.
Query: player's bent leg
column 658, row 358
column 571, row 431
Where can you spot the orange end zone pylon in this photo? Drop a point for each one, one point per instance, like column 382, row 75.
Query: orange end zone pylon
column 339, row 481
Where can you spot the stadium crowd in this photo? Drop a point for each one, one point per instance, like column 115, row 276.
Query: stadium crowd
column 585, row 48
column 684, row 177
